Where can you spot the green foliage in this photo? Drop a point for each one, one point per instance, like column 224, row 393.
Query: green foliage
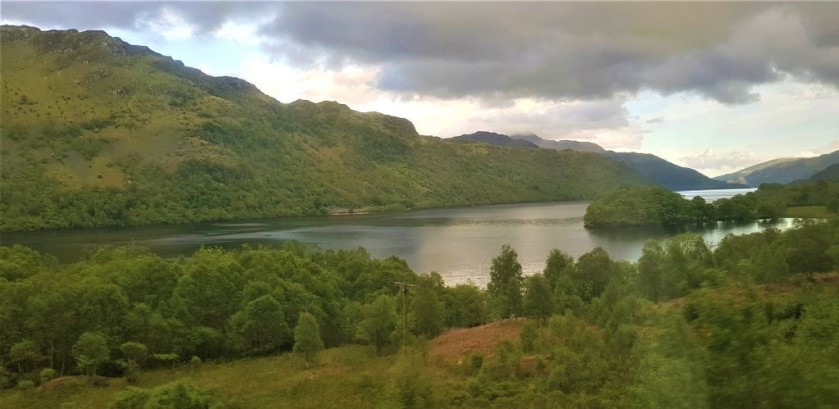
column 91, row 351
column 47, row 374
column 538, row 297
column 409, row 387
column 307, row 336
column 261, row 326
column 108, row 137
column 134, row 351
column 505, row 283
column 25, row 354
column 556, row 266
column 592, row 273
column 658, row 206
column 426, row 306
column 25, row 384
column 528, row 337
column 727, row 343
column 172, row 395
column 379, row 322
column 465, row 305
column 645, row 206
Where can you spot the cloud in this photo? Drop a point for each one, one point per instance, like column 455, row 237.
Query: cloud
column 604, row 122
column 490, row 50
column 202, row 16
column 570, row 50
column 655, row 120
column 715, row 162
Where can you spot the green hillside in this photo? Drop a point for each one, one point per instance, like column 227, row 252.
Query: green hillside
column 99, row 132
column 829, row 173
column 783, row 170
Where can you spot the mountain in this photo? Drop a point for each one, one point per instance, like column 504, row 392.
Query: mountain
column 668, row 174
column 493, row 138
column 560, row 145
column 741, row 175
column 784, row 170
column 665, row 173
column 99, row 132
column 829, row 173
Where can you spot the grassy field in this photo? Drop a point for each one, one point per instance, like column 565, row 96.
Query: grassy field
column 346, row 377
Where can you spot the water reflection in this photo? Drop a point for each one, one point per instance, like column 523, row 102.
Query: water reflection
column 457, row 243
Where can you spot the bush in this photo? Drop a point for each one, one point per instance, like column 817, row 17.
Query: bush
column 25, row 384
column 47, row 374
column 171, row 395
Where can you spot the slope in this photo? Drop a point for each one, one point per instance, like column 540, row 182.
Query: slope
column 783, row 170
column 493, row 138
column 98, row 132
column 668, row 174
column 829, row 173
column 665, row 173
column 560, row 145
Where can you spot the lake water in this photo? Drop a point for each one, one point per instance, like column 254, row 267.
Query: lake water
column 457, row 243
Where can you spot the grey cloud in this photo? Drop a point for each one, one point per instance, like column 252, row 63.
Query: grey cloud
column 491, row 50
column 89, row 15
column 571, row 50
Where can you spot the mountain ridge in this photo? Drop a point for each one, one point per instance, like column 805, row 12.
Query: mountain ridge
column 493, row 138
column 782, row 170
column 99, row 132
column 659, row 170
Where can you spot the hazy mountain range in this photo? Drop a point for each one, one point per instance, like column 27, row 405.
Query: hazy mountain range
column 783, row 170
column 650, row 166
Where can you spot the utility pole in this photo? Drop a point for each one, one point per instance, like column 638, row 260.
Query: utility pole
column 403, row 287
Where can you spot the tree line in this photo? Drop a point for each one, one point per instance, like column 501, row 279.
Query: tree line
column 660, row 206
column 593, row 338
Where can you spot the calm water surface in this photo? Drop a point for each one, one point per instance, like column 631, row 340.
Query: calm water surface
column 457, row 243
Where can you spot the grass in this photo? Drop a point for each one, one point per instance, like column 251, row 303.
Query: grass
column 809, row 212
column 352, row 373
column 346, row 377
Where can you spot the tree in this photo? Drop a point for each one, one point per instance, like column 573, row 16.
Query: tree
column 465, row 306
column 24, row 352
column 261, row 326
column 428, row 310
column 135, row 355
column 538, row 299
column 555, row 265
column 505, row 282
column 651, row 280
column 378, row 323
column 593, row 272
column 90, row 351
column 307, row 336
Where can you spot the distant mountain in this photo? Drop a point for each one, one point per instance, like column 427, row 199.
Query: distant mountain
column 784, row 170
column 560, row 145
column 829, row 173
column 668, row 174
column 99, row 132
column 493, row 138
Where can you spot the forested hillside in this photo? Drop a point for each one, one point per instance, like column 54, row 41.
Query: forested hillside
column 99, row 132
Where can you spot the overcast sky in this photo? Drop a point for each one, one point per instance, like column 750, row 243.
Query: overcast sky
column 713, row 86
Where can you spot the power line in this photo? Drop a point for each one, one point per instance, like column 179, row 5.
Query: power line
column 403, row 287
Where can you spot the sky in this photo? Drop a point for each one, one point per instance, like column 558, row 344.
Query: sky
column 716, row 86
